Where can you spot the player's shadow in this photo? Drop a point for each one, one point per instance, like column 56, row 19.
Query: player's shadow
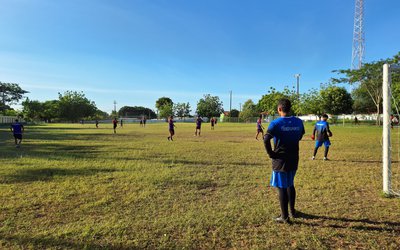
column 57, row 243
column 49, row 174
column 347, row 223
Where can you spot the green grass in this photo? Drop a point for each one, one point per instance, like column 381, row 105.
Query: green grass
column 74, row 186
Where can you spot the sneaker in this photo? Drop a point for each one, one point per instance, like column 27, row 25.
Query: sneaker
column 326, row 159
column 168, row 138
column 282, row 220
column 293, row 214
column 313, row 158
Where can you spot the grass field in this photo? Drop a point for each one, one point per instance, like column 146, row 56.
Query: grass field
column 74, row 186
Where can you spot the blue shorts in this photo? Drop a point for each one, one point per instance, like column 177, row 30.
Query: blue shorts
column 282, row 179
column 326, row 143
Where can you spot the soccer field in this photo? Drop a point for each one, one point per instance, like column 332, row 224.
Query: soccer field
column 75, row 186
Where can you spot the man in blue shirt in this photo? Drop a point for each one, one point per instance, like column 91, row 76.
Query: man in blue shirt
column 17, row 129
column 286, row 132
column 323, row 134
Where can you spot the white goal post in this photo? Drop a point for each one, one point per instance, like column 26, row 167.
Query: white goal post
column 386, row 145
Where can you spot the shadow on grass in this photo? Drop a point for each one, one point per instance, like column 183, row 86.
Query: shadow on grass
column 366, row 224
column 48, row 174
column 57, row 243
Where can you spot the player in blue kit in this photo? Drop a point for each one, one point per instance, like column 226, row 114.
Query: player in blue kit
column 286, row 132
column 323, row 134
column 18, row 129
column 198, row 126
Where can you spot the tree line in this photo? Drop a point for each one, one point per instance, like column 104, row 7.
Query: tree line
column 332, row 97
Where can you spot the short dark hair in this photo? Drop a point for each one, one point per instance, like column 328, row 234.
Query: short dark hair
column 16, row 120
column 285, row 105
column 325, row 116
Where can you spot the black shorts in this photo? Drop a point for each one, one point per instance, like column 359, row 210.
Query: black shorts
column 18, row 136
column 198, row 127
column 172, row 131
column 260, row 130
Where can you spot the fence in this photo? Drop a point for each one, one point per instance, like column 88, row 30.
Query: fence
column 9, row 119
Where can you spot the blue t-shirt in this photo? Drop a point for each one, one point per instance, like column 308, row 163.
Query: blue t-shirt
column 17, row 128
column 322, row 128
column 287, row 132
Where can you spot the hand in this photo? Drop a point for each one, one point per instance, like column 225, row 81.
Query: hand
column 329, row 133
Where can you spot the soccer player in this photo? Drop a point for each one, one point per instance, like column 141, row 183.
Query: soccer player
column 198, row 126
column 260, row 128
column 286, row 132
column 323, row 134
column 212, row 123
column 171, row 128
column 121, row 123
column 97, row 123
column 115, row 124
column 144, row 121
column 18, row 129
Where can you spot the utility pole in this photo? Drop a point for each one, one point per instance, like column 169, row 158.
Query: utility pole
column 115, row 107
column 298, row 84
column 230, row 105
column 240, row 107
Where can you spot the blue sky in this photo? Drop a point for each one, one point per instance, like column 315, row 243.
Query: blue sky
column 139, row 50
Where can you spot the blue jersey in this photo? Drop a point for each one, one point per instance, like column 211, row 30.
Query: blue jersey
column 17, row 128
column 322, row 129
column 287, row 132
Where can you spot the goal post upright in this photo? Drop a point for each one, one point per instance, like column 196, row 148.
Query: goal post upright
column 386, row 145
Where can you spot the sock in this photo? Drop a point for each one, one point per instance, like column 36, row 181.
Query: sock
column 283, row 200
column 291, row 191
column 326, row 152
column 315, row 151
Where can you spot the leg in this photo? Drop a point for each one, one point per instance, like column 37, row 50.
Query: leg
column 315, row 151
column 326, row 152
column 291, row 191
column 199, row 131
column 257, row 135
column 284, row 202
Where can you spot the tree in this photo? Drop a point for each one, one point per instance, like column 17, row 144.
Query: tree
column 165, row 111
column 336, row 100
column 182, row 110
column 51, row 110
column 32, row 110
column 268, row 102
column 311, row 103
column 249, row 110
column 10, row 93
column 363, row 104
column 164, row 106
column 136, row 111
column 234, row 113
column 369, row 78
column 209, row 106
column 73, row 106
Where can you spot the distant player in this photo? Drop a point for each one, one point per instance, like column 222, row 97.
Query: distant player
column 144, row 121
column 323, row 134
column 260, row 128
column 121, row 123
column 286, row 131
column 171, row 128
column 97, row 123
column 18, row 129
column 115, row 124
column 198, row 126
column 212, row 123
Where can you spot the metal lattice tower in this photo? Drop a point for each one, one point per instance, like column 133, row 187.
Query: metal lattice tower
column 358, row 36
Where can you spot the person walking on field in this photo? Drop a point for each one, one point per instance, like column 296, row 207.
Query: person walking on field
column 212, row 123
column 171, row 128
column 115, row 124
column 286, row 132
column 260, row 128
column 323, row 134
column 97, row 123
column 121, row 123
column 18, row 129
column 198, row 126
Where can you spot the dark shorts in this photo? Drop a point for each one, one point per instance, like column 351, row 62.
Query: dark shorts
column 260, row 130
column 115, row 126
column 198, row 127
column 172, row 131
column 18, row 136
